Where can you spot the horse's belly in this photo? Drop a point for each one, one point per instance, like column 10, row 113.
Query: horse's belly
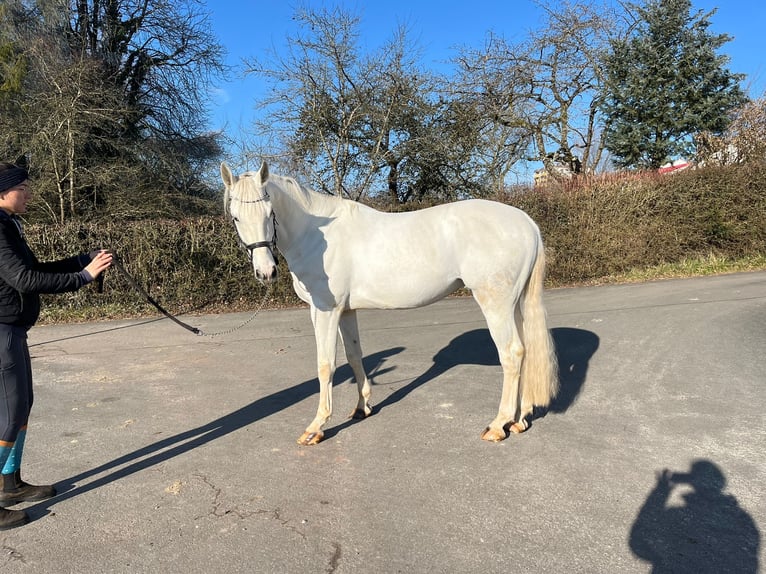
column 402, row 294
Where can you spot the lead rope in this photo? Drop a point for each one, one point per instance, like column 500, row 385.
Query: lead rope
column 149, row 299
column 243, row 323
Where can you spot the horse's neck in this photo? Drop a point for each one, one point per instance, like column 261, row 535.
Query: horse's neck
column 299, row 211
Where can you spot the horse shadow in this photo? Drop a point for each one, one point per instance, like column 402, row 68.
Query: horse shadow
column 710, row 532
column 573, row 347
column 574, row 350
column 181, row 443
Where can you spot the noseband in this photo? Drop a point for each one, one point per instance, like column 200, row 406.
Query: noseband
column 271, row 244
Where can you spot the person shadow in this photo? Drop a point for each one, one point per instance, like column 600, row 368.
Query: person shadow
column 184, row 442
column 688, row 524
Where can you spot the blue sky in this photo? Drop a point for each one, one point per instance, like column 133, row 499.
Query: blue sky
column 256, row 26
column 247, row 28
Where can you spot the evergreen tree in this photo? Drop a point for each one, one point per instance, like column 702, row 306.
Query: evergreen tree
column 665, row 82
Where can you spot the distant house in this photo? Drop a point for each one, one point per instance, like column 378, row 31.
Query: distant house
column 542, row 176
column 562, row 164
column 728, row 154
column 674, row 166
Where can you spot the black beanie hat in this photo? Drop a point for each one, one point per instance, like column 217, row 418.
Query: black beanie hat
column 11, row 176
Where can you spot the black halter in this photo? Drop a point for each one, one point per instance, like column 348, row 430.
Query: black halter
column 270, row 243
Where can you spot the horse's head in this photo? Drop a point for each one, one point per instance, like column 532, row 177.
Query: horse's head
column 249, row 206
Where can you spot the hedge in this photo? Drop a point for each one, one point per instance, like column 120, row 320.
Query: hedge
column 592, row 228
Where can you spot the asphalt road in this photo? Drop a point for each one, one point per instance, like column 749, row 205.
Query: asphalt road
column 177, row 453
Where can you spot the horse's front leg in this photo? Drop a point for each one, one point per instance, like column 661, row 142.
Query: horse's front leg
column 326, row 333
column 349, row 334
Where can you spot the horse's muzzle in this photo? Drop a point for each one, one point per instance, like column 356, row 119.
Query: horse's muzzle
column 268, row 277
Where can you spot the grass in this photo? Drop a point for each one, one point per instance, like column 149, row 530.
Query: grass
column 712, row 264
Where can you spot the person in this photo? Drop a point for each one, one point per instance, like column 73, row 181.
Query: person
column 22, row 279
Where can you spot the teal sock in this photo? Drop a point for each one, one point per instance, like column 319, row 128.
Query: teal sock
column 5, row 451
column 13, row 458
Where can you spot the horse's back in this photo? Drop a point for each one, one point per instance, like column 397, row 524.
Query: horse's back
column 492, row 220
column 480, row 218
column 411, row 259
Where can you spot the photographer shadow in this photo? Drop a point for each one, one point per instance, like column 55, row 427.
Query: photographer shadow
column 708, row 533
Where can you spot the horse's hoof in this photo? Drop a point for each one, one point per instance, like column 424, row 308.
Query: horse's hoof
column 311, row 438
column 361, row 413
column 492, row 435
column 519, row 427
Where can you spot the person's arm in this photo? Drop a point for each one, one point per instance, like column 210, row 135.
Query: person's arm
column 67, row 265
column 81, row 262
column 24, row 277
column 646, row 530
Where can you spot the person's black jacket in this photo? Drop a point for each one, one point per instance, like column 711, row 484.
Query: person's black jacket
column 23, row 277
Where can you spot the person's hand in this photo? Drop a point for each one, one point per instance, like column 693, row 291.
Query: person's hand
column 100, row 260
column 664, row 478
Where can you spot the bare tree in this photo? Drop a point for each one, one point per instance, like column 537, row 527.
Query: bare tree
column 320, row 89
column 493, row 90
column 359, row 123
column 541, row 94
column 66, row 116
column 161, row 54
column 113, row 100
column 744, row 141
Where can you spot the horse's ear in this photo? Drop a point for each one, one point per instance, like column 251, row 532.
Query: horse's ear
column 227, row 177
column 264, row 172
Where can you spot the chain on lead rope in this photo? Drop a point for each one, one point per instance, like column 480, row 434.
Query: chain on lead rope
column 149, row 299
column 243, row 323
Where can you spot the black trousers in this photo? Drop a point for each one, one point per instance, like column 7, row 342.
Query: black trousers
column 16, row 395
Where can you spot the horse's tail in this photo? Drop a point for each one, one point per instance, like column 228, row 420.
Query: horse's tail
column 539, row 370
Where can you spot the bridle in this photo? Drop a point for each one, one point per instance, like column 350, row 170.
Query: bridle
column 270, row 243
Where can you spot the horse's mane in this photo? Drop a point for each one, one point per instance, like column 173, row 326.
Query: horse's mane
column 308, row 198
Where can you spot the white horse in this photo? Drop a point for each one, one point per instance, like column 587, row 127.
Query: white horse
column 345, row 256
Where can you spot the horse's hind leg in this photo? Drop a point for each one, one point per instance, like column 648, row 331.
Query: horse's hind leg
column 349, row 333
column 527, row 408
column 499, row 310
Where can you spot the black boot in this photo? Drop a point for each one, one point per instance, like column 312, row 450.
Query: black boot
column 16, row 490
column 12, row 518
